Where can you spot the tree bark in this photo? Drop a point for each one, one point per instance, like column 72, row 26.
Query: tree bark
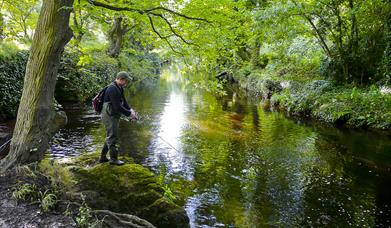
column 116, row 35
column 387, row 52
column 1, row 21
column 34, row 124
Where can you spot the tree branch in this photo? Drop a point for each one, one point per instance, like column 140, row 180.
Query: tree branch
column 176, row 13
column 165, row 38
column 172, row 29
column 155, row 30
column 318, row 34
column 146, row 11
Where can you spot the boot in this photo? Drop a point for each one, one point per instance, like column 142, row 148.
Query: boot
column 116, row 162
column 114, row 156
column 103, row 154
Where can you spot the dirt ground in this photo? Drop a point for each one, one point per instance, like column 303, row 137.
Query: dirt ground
column 27, row 215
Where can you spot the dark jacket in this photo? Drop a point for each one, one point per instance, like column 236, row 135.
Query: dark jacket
column 115, row 95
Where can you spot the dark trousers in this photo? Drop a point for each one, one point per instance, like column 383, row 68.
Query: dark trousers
column 111, row 124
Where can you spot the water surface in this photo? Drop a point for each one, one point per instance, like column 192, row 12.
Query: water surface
column 238, row 165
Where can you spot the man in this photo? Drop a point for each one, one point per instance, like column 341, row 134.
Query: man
column 114, row 106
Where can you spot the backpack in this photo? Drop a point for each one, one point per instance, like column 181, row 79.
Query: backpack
column 97, row 101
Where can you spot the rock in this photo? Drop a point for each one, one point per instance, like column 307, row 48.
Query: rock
column 59, row 120
column 130, row 189
column 167, row 214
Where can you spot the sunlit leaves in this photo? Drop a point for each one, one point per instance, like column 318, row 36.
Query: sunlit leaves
column 19, row 19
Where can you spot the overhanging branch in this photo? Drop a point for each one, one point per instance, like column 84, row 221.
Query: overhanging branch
column 165, row 38
column 172, row 29
column 157, row 12
column 144, row 11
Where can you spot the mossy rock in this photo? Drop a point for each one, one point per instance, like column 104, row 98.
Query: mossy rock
column 130, row 189
column 168, row 214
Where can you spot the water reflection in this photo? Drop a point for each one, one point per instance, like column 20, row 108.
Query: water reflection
column 166, row 146
column 237, row 165
column 80, row 135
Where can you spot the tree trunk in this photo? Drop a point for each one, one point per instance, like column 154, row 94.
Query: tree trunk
column 1, row 26
column 387, row 51
column 116, row 35
column 34, row 124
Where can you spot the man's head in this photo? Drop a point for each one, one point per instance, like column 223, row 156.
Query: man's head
column 122, row 78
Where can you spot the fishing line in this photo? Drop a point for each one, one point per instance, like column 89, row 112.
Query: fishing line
column 168, row 144
column 138, row 120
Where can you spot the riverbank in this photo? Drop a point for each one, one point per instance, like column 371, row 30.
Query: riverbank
column 321, row 100
column 83, row 193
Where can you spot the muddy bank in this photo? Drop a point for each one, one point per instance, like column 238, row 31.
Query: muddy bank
column 14, row 213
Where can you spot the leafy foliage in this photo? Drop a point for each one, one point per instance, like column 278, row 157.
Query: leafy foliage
column 12, row 69
column 25, row 192
column 19, row 19
column 79, row 78
column 257, row 42
column 351, row 106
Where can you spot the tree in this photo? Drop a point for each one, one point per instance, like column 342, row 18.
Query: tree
column 116, row 35
column 33, row 128
column 36, row 110
column 386, row 65
column 1, row 20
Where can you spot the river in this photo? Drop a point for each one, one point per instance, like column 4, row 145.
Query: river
column 236, row 164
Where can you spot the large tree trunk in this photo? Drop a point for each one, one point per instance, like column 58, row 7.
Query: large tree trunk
column 33, row 128
column 116, row 35
column 1, row 25
column 387, row 51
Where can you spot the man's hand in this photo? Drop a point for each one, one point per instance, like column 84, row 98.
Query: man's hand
column 133, row 115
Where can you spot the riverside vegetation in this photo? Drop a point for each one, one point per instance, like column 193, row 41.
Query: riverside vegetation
column 345, row 44
column 327, row 59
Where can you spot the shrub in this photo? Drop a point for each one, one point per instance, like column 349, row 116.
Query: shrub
column 78, row 81
column 365, row 107
column 12, row 70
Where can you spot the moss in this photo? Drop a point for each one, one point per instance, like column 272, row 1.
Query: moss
column 167, row 214
column 130, row 188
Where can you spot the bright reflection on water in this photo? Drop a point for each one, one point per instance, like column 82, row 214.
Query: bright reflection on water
column 167, row 146
column 233, row 164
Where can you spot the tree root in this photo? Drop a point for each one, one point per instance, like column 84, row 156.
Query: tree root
column 113, row 219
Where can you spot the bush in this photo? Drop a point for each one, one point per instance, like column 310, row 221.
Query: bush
column 81, row 81
column 12, row 70
column 366, row 107
column 81, row 77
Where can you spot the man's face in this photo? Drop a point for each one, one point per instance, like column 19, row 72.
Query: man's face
column 122, row 82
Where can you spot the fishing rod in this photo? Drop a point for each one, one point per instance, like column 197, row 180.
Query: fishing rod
column 2, row 147
column 138, row 119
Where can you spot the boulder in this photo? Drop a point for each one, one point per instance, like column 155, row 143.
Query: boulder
column 130, row 189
